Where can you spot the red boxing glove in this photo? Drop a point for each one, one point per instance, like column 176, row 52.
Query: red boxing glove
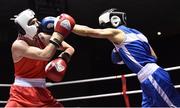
column 64, row 24
column 56, row 69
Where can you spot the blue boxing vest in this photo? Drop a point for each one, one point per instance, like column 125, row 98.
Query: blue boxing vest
column 134, row 50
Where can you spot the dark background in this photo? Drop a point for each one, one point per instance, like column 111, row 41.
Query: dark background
column 92, row 56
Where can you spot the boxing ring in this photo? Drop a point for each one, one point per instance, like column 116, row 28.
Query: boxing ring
column 48, row 84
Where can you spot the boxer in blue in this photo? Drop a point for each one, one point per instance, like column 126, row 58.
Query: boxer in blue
column 132, row 48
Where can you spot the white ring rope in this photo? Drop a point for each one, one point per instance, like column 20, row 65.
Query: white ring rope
column 104, row 78
column 3, row 102
column 97, row 79
column 104, row 95
column 49, row 84
column 99, row 96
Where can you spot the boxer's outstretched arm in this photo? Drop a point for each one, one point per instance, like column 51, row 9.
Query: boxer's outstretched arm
column 111, row 34
column 83, row 30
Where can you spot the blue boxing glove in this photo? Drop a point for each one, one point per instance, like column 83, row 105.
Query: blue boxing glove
column 47, row 25
column 115, row 57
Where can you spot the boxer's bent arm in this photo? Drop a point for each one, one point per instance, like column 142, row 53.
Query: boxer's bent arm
column 64, row 45
column 67, row 48
column 22, row 49
column 67, row 53
column 44, row 38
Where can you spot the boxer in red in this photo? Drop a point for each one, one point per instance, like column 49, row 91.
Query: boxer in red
column 31, row 52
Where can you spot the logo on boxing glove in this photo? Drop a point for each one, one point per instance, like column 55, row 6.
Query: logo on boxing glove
column 59, row 67
column 56, row 69
column 66, row 24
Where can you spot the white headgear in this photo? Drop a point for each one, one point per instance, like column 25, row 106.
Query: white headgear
column 23, row 19
column 112, row 18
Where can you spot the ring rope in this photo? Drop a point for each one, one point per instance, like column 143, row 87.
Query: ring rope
column 100, row 79
column 104, row 78
column 104, row 95
column 99, row 96
column 49, row 84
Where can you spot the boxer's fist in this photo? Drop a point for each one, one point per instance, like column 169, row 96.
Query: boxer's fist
column 64, row 24
column 56, row 69
column 47, row 25
column 115, row 57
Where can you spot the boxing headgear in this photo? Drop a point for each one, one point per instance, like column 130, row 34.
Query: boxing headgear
column 22, row 21
column 112, row 18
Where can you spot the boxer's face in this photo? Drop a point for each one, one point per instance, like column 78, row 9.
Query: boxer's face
column 33, row 21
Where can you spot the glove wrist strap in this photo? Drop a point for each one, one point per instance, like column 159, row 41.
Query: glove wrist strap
column 65, row 56
column 55, row 42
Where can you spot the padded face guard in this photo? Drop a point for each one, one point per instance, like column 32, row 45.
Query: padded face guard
column 22, row 21
column 112, row 18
